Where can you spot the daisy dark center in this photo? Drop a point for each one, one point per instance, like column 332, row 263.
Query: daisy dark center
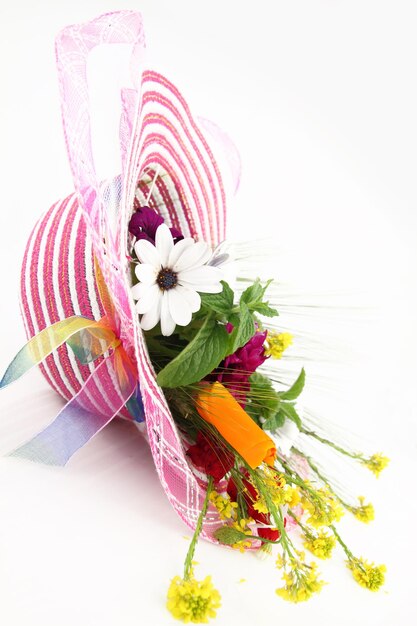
column 167, row 279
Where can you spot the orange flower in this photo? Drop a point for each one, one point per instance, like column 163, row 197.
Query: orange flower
column 218, row 407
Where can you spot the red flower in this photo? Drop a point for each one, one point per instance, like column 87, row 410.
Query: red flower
column 250, row 496
column 269, row 533
column 211, row 456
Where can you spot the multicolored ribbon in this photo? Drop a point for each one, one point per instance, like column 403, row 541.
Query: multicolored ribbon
column 81, row 418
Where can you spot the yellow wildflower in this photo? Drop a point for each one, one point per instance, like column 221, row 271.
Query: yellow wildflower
column 376, row 463
column 367, row 574
column 280, row 562
column 260, row 506
column 225, row 507
column 242, row 525
column 364, row 512
column 301, row 581
column 277, row 343
column 321, row 545
column 292, row 496
column 279, row 491
column 191, row 600
column 323, row 511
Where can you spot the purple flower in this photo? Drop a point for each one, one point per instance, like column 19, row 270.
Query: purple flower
column 235, row 370
column 144, row 223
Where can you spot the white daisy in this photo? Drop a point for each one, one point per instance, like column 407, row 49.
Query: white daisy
column 171, row 275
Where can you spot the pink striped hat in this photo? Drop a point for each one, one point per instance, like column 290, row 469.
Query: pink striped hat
column 198, row 171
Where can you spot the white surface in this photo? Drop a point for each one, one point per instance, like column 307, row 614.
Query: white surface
column 320, row 97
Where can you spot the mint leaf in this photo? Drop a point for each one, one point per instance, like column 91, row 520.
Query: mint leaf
column 253, row 293
column 219, row 302
column 289, row 411
column 264, row 399
column 264, row 309
column 244, row 328
column 253, row 412
column 253, row 297
column 274, row 422
column 294, row 391
column 228, row 535
column 202, row 355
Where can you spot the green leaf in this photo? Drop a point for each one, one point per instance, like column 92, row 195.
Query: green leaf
column 264, row 309
column 253, row 293
column 243, row 330
column 263, row 394
column 274, row 422
column 228, row 535
column 253, row 297
column 289, row 411
column 202, row 355
column 220, row 302
column 294, row 391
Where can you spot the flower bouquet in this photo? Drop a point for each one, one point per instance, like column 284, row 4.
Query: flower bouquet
column 129, row 313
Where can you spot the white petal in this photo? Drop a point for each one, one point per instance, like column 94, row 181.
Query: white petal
column 219, row 260
column 178, row 249
column 146, row 273
column 201, row 276
column 179, row 308
column 148, row 298
column 164, row 243
column 167, row 323
column 193, row 256
column 152, row 317
column 147, row 253
column 192, row 297
column 203, row 287
column 138, row 290
column 220, row 256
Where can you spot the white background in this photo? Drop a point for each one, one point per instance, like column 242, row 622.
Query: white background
column 320, row 98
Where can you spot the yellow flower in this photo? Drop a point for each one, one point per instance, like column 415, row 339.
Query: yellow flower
column 364, row 512
column 242, row 525
column 376, row 463
column 323, row 511
column 321, row 545
column 277, row 343
column 191, row 600
column 225, row 507
column 367, row 574
column 301, row 580
column 292, row 496
column 260, row 506
column 279, row 491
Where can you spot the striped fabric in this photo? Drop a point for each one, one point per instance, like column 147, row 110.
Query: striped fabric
column 57, row 281
column 157, row 130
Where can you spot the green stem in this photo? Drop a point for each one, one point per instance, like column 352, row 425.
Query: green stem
column 323, row 478
column 294, row 478
column 263, row 539
column 327, row 442
column 348, row 553
column 274, row 511
column 296, row 519
column 198, row 528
